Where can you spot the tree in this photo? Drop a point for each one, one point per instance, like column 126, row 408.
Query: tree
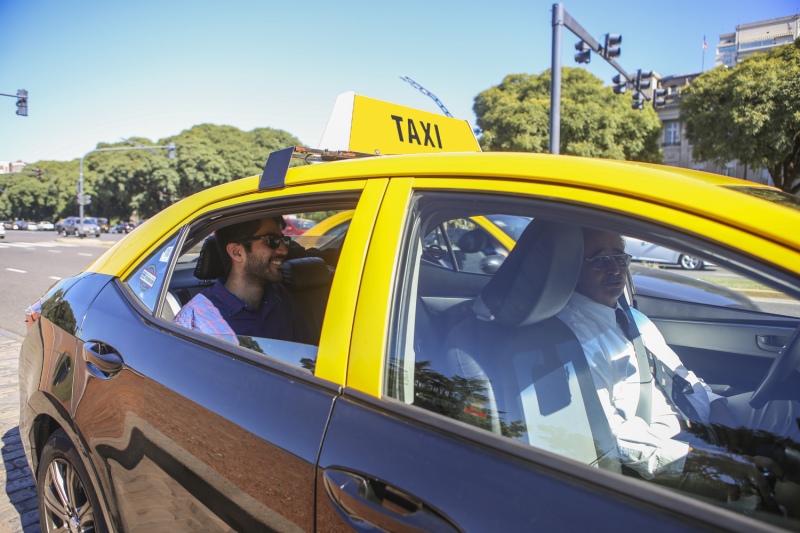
column 595, row 122
column 750, row 113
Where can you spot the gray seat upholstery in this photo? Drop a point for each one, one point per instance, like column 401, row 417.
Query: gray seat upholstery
column 523, row 364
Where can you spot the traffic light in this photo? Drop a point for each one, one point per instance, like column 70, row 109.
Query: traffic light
column 658, row 96
column 643, row 79
column 620, row 84
column 171, row 150
column 584, row 54
column 611, row 48
column 22, row 103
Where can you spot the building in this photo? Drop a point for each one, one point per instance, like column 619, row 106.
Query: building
column 748, row 39
column 8, row 167
column 755, row 37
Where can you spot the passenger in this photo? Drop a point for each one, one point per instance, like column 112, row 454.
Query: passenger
column 250, row 300
column 662, row 446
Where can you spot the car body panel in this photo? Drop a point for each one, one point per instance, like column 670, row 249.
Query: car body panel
column 406, row 456
column 183, row 427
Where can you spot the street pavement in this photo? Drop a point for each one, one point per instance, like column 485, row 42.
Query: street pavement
column 18, row 503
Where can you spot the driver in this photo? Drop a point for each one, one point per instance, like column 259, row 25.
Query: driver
column 658, row 440
column 250, row 300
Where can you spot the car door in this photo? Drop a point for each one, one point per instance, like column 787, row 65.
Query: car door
column 408, row 449
column 191, row 433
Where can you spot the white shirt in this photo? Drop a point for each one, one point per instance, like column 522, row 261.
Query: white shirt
column 649, row 449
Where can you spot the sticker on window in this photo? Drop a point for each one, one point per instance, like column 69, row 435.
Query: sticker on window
column 165, row 255
column 148, row 278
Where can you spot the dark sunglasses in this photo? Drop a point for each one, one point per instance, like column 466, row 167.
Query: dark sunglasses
column 601, row 262
column 273, row 241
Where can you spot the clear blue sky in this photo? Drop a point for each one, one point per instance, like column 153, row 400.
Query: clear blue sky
column 98, row 71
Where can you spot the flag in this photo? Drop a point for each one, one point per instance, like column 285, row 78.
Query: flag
column 705, row 45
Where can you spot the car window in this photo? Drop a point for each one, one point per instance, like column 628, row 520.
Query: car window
column 662, row 274
column 297, row 289
column 522, row 355
column 147, row 280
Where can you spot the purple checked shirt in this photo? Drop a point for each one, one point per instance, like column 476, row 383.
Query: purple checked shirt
column 218, row 312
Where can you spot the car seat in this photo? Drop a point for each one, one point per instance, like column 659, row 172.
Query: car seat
column 525, row 366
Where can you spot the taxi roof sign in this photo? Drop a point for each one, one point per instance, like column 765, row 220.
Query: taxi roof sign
column 361, row 124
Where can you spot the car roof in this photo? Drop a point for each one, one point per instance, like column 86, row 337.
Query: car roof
column 707, row 195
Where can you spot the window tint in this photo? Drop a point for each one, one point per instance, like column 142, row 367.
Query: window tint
column 287, row 324
column 693, row 391
column 147, row 280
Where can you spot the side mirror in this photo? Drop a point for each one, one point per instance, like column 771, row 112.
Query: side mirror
column 491, row 263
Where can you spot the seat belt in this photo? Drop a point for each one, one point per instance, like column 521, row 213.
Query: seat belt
column 643, row 359
column 674, row 386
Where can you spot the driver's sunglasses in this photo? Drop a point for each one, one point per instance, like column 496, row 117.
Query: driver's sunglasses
column 601, row 262
column 273, row 241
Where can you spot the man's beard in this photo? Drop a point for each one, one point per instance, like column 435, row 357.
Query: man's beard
column 258, row 270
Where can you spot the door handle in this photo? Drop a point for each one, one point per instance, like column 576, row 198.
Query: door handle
column 102, row 360
column 362, row 499
column 771, row 343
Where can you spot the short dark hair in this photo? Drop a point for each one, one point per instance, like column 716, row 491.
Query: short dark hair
column 239, row 232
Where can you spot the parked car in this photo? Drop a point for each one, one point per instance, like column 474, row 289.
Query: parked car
column 129, row 421
column 122, row 227
column 46, row 226
column 297, row 226
column 73, row 226
column 2, row 231
column 19, row 224
column 32, row 226
column 653, row 253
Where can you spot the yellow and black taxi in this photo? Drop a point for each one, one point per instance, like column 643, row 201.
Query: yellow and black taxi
column 442, row 387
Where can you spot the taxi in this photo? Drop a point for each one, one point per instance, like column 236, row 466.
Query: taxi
column 440, row 389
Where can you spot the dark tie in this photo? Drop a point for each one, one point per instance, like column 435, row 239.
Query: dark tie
column 623, row 323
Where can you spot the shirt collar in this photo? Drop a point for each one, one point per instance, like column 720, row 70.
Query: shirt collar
column 602, row 313
column 233, row 303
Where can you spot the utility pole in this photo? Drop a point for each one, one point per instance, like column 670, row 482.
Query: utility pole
column 608, row 51
column 82, row 199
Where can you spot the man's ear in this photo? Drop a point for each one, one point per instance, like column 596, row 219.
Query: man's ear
column 235, row 251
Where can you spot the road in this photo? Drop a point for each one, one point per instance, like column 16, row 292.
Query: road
column 31, row 261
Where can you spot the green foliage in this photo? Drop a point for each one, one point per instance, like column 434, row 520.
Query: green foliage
column 750, row 113
column 140, row 182
column 595, row 122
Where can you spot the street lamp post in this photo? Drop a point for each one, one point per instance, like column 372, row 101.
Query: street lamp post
column 81, row 199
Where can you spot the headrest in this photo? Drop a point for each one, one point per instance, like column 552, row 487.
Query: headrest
column 305, row 273
column 537, row 278
column 473, row 241
column 209, row 263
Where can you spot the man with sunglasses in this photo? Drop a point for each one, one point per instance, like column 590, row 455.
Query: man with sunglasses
column 656, row 431
column 250, row 300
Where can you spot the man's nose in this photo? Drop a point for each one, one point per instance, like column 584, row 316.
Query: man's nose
column 612, row 267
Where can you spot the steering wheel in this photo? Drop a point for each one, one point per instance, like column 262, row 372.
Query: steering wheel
column 786, row 360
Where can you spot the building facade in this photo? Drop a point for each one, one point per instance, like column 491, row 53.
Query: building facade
column 748, row 39
column 755, row 37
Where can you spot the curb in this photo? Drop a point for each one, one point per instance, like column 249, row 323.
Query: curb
column 87, row 241
column 18, row 502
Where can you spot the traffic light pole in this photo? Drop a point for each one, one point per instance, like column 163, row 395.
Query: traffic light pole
column 81, row 199
column 562, row 18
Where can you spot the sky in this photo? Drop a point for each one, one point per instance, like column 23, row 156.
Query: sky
column 100, row 71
